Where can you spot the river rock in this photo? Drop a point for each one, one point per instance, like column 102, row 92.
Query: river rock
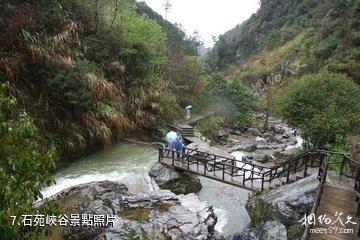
column 266, row 158
column 272, row 230
column 286, row 135
column 245, row 145
column 260, row 139
column 276, row 139
column 286, row 153
column 286, row 204
column 268, row 134
column 222, row 136
column 278, row 129
column 254, row 131
column 153, row 215
column 174, row 180
column 236, row 132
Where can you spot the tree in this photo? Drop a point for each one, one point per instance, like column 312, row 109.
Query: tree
column 231, row 99
column 324, row 106
column 25, row 168
column 243, row 99
column 267, row 102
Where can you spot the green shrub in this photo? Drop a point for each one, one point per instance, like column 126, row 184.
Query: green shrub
column 210, row 126
column 325, row 106
column 65, row 88
column 25, row 168
column 231, row 99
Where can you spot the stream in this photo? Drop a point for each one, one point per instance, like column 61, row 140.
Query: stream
column 129, row 163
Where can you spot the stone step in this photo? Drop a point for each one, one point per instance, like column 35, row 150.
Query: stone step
column 187, row 129
column 183, row 133
column 187, row 133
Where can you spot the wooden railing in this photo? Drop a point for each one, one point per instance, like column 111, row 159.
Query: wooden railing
column 293, row 166
column 348, row 167
column 233, row 168
column 322, row 173
column 211, row 163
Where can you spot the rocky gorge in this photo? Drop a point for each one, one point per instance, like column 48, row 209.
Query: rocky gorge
column 170, row 209
column 267, row 147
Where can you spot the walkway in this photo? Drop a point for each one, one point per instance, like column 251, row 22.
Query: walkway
column 337, row 201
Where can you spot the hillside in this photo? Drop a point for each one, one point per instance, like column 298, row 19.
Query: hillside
column 288, row 38
column 91, row 72
column 175, row 36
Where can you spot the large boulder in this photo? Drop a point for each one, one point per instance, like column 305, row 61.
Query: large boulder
column 246, row 145
column 174, row 180
column 286, row 204
column 266, row 158
column 222, row 136
column 267, row 231
column 158, row 214
column 278, row 129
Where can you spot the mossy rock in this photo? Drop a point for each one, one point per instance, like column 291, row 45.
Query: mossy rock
column 176, row 181
column 286, row 204
column 185, row 184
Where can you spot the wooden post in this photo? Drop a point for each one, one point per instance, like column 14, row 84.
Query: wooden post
column 252, row 174
column 232, row 171
column 173, row 158
column 262, row 181
column 204, row 168
column 270, row 176
column 288, row 174
column 223, row 175
column 305, row 171
column 214, row 166
column 342, row 165
column 188, row 161
column 244, row 176
column 320, row 171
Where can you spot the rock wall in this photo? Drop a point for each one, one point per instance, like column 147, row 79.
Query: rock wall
column 174, row 180
column 286, row 204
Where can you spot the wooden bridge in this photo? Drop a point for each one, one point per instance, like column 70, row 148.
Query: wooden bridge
column 257, row 178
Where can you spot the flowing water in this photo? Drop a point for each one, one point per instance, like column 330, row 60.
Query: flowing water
column 129, row 163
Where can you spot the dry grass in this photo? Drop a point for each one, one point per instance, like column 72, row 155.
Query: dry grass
column 101, row 89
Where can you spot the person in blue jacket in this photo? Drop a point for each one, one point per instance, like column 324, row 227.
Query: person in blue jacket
column 179, row 146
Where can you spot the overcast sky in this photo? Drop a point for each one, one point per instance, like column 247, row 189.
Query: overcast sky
column 209, row 17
